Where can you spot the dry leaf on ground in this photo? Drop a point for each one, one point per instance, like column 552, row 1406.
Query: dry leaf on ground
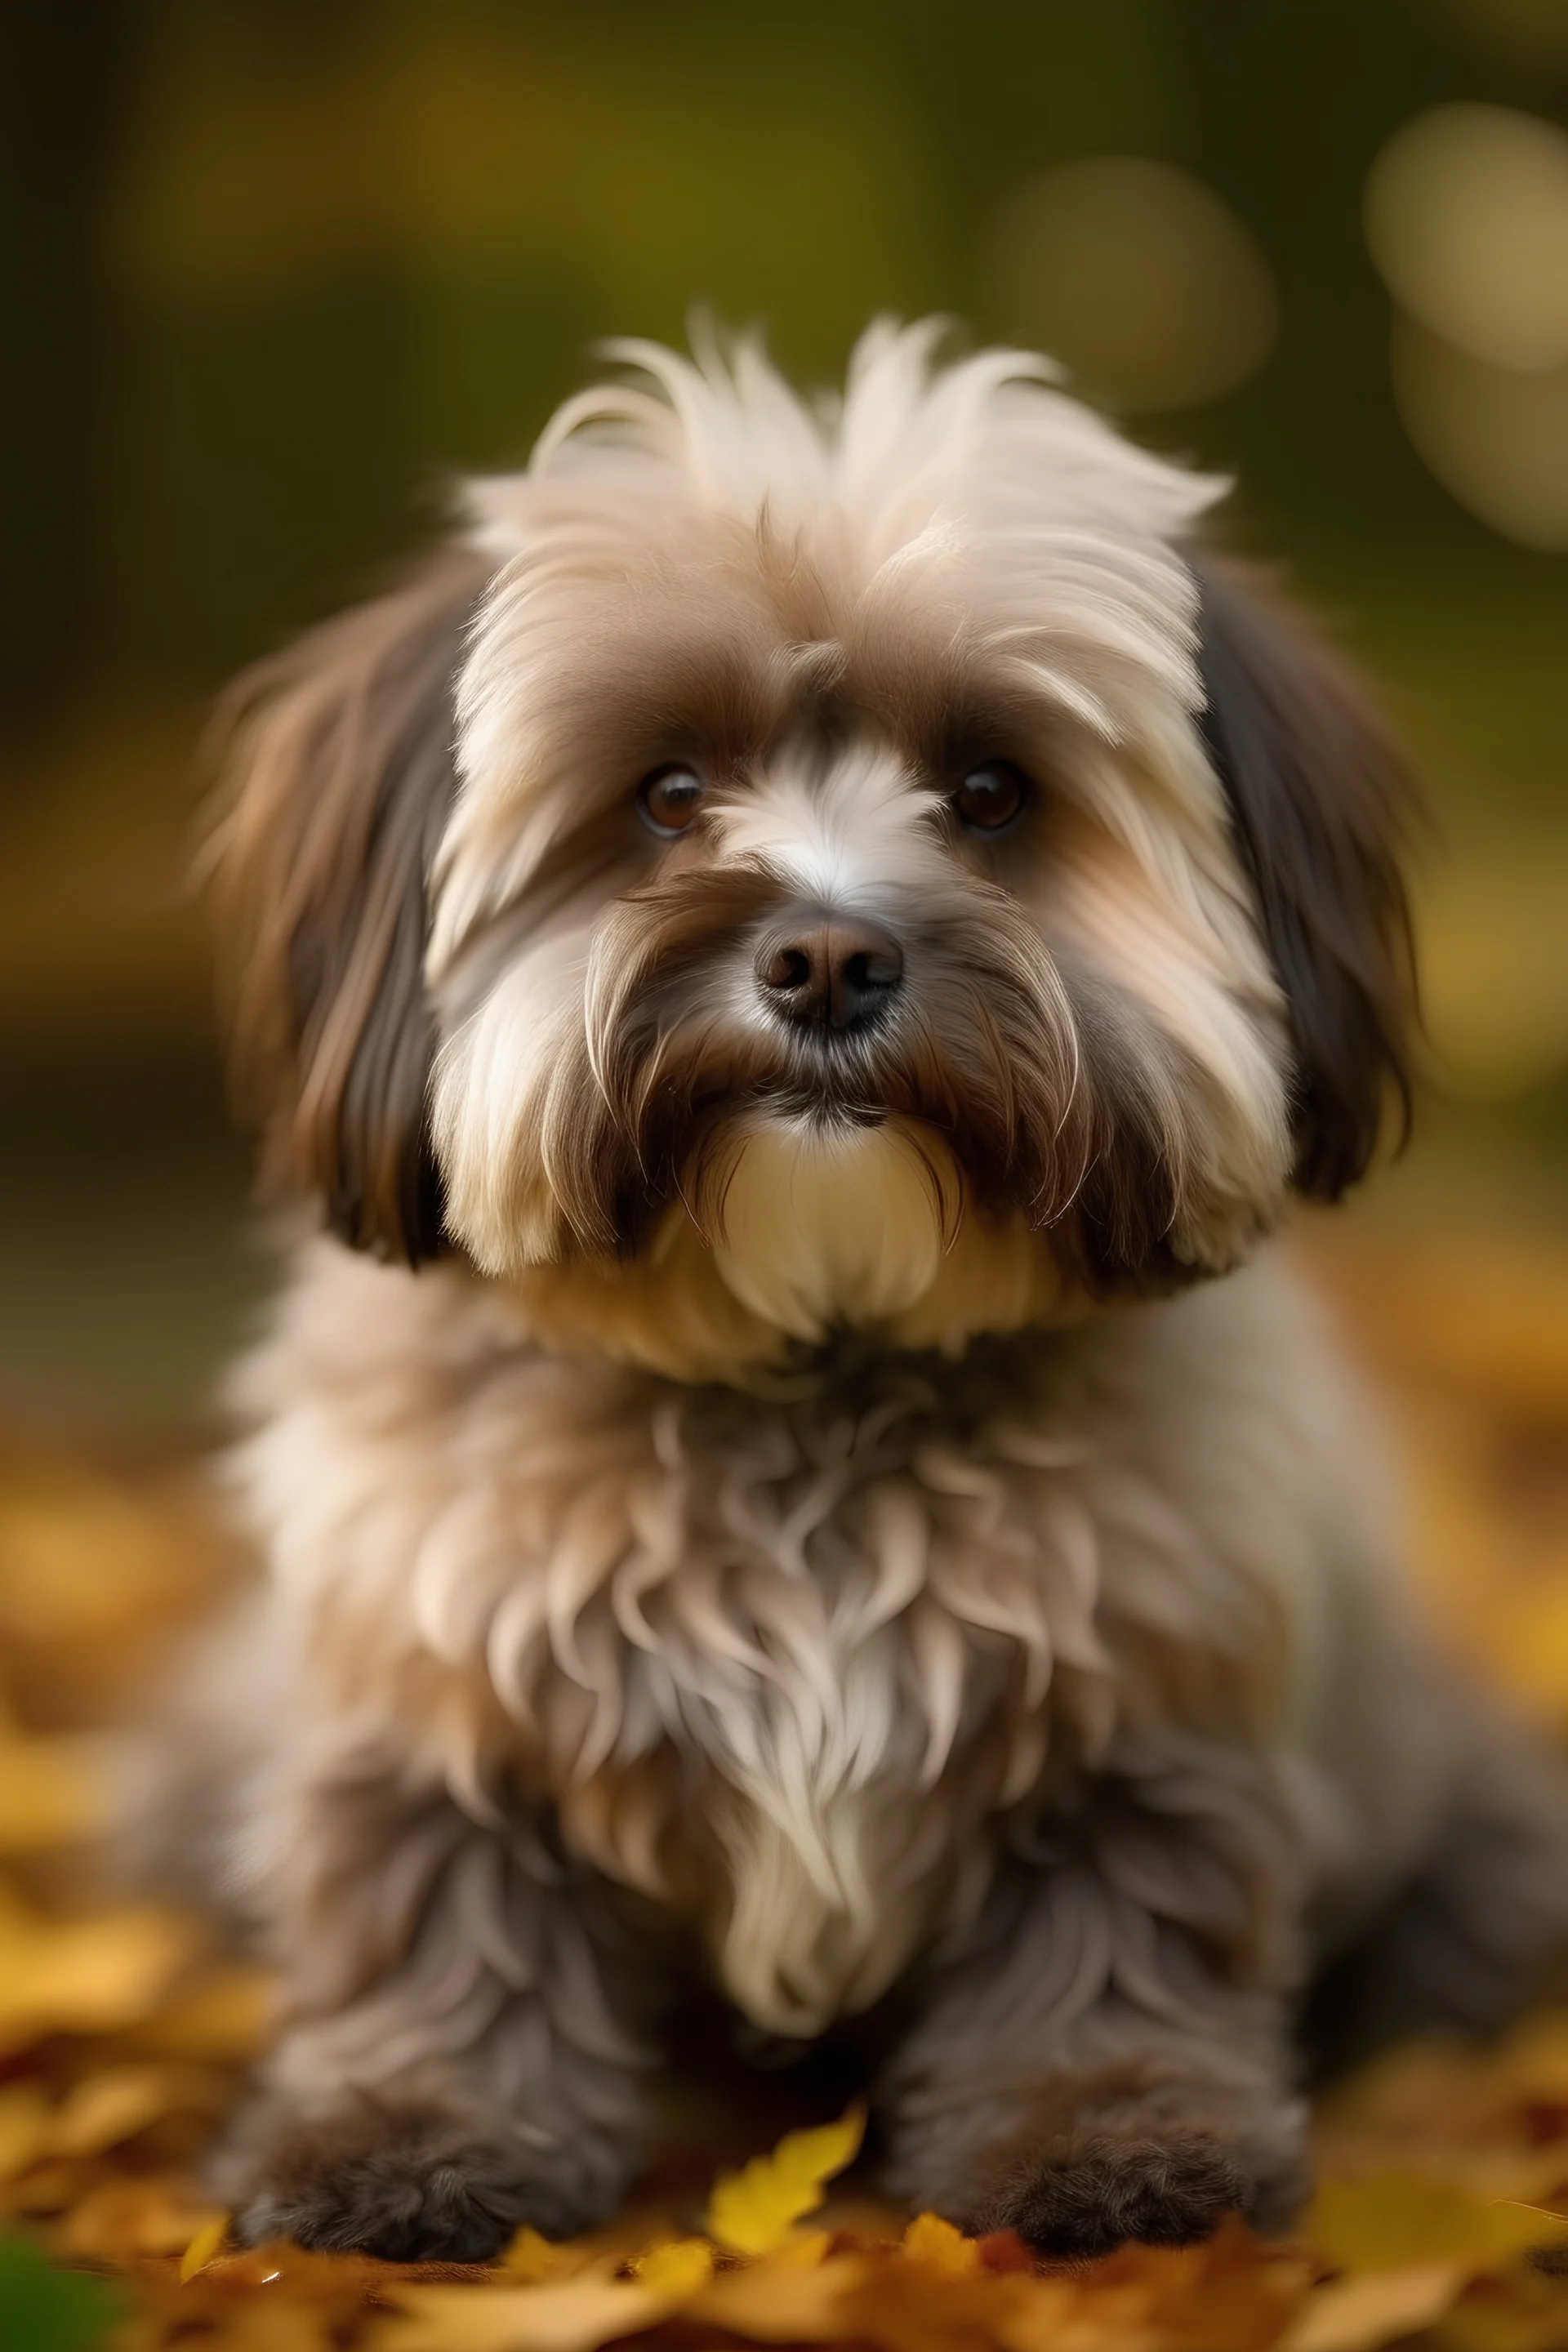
column 84, row 1976
column 117, row 2049
column 753, row 2210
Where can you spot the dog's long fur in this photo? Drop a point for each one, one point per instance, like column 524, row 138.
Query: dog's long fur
column 835, row 1516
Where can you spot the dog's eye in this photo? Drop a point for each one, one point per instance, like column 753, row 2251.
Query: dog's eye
column 669, row 800
column 989, row 798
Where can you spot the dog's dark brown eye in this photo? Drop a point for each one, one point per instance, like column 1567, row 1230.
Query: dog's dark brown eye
column 990, row 797
column 669, row 799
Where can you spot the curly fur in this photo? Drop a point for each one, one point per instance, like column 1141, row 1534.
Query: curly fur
column 833, row 1522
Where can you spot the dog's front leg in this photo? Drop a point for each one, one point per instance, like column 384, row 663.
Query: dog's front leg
column 1106, row 2056
column 465, row 2034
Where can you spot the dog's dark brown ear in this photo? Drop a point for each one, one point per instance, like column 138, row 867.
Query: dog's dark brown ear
column 340, row 776
column 1321, row 803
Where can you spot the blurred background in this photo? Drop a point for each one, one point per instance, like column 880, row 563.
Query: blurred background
column 270, row 269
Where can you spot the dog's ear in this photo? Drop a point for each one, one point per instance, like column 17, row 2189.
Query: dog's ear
column 1321, row 802
column 340, row 778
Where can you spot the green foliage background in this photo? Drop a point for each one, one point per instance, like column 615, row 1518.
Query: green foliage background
column 270, row 269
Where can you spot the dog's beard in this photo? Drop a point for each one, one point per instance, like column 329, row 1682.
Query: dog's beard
column 603, row 1103
column 828, row 1225
column 856, row 1153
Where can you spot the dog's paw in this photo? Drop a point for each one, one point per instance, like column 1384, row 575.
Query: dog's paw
column 407, row 2183
column 1103, row 2192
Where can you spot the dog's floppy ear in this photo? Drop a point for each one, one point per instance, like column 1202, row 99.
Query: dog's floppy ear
column 339, row 779
column 1320, row 802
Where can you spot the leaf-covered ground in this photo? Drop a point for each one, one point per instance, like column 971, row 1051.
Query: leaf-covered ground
column 124, row 2034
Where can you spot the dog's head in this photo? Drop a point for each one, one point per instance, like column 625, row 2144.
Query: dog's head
column 861, row 837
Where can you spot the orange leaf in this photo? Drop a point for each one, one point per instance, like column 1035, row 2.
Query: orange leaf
column 574, row 2314
column 931, row 2240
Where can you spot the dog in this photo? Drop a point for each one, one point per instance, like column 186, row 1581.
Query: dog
column 801, row 960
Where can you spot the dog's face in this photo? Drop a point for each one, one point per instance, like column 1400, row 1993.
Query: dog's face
column 851, row 840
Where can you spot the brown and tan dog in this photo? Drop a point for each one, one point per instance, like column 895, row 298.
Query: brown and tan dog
column 803, row 959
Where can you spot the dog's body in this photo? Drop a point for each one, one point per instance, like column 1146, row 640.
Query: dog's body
column 833, row 1521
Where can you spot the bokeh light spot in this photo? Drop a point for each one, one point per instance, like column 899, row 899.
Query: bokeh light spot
column 1137, row 276
column 1467, row 217
column 1495, row 438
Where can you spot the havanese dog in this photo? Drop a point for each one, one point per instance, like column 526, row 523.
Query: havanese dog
column 802, row 961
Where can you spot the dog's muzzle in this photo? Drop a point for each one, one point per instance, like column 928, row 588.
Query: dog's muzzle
column 830, row 973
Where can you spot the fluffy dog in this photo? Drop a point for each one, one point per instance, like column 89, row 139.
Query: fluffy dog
column 803, row 957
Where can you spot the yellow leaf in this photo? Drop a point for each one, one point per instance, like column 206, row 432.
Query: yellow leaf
column 752, row 2211
column 1043, row 2315
column 26, row 2117
column 204, row 2247
column 123, row 2219
column 52, row 2187
column 570, row 2315
column 802, row 2250
column 221, row 2015
column 117, row 2102
column 777, row 2302
column 876, row 2297
column 531, row 2259
column 1357, row 2315
column 676, row 2266
column 1398, row 2221
column 84, row 1558
column 83, row 1976
column 931, row 2240
column 50, row 1793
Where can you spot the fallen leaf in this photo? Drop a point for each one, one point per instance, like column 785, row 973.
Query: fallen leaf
column 117, row 2102
column 1422, row 2152
column 773, row 2302
column 203, row 2316
column 1400, row 2221
column 84, row 1976
column 204, row 2247
column 126, row 2220
column 1235, row 2293
column 51, row 1793
column 27, row 2120
column 571, row 2315
column 531, row 2259
column 931, row 2240
column 1357, row 2315
column 899, row 2307
column 753, row 2210
column 85, row 1557
column 50, row 2187
column 802, row 2249
column 218, row 2013
column 1002, row 2251
column 675, row 2266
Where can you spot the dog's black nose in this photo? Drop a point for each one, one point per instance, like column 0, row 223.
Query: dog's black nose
column 831, row 975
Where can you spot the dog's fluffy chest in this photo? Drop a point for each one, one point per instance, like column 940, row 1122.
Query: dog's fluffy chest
column 782, row 1663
